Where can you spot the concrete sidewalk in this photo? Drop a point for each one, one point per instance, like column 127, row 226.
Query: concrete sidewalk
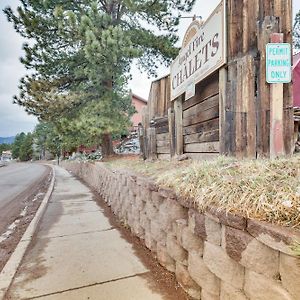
column 77, row 254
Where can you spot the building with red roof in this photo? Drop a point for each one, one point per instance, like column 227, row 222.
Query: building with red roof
column 139, row 103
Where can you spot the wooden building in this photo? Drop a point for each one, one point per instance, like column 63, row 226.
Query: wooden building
column 230, row 109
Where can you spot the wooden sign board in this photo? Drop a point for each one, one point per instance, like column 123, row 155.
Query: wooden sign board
column 203, row 52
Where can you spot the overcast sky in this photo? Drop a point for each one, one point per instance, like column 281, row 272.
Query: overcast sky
column 13, row 119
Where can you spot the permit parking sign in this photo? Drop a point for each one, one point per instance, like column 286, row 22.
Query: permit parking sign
column 278, row 63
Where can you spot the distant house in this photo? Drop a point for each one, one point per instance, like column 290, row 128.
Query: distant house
column 139, row 103
column 296, row 80
column 6, row 155
column 86, row 150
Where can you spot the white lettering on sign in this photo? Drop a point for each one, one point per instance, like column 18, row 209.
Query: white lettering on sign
column 203, row 51
column 278, row 63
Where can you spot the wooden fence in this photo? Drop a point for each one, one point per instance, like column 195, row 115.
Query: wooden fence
column 230, row 113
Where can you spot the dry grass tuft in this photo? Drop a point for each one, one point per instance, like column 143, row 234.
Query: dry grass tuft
column 296, row 249
column 267, row 190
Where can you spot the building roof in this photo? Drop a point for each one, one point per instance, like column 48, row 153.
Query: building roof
column 161, row 77
column 140, row 98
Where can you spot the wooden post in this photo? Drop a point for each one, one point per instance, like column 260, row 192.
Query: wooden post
column 141, row 133
column 145, row 124
column 248, row 99
column 222, row 109
column 265, row 28
column 178, row 127
column 276, row 112
column 152, row 147
column 171, row 120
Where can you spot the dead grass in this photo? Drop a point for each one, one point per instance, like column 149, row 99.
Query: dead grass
column 261, row 189
column 296, row 249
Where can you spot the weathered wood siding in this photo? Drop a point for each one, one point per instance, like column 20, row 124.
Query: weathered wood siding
column 230, row 113
column 155, row 118
column 201, row 118
column 159, row 98
column 161, row 126
column 246, row 124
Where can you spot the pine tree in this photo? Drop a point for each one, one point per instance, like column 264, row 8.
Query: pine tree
column 26, row 148
column 22, row 148
column 81, row 56
column 17, row 144
column 49, row 137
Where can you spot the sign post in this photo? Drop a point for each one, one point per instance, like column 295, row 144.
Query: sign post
column 278, row 68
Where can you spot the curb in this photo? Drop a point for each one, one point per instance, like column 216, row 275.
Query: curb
column 10, row 269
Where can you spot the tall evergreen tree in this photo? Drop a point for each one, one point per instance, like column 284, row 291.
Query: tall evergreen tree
column 22, row 148
column 20, row 137
column 26, row 148
column 41, row 133
column 49, row 137
column 81, row 53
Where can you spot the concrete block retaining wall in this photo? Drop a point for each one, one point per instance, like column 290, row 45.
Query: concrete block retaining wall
column 213, row 255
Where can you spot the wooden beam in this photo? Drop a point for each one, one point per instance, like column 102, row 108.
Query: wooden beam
column 202, row 127
column 213, row 147
column 240, row 141
column 276, row 115
column 152, row 148
column 205, row 105
column 163, row 150
column 266, row 26
column 162, row 137
column 164, row 129
column 160, row 122
column 209, row 136
column 222, row 109
column 172, row 140
column 202, row 116
column 145, row 123
column 179, row 126
column 248, row 94
column 161, row 99
column 162, row 143
column 141, row 132
column 276, row 121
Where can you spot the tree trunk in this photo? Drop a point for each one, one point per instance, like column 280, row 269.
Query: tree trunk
column 107, row 147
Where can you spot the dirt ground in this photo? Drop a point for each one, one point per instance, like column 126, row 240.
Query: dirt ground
column 30, row 198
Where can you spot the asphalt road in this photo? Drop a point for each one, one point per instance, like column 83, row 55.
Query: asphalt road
column 16, row 178
column 17, row 182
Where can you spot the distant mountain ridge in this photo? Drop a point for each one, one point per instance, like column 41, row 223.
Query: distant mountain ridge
column 7, row 140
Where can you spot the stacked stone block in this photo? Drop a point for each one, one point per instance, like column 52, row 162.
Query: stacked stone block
column 214, row 255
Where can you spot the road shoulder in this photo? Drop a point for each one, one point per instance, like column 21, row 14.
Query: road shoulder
column 8, row 272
